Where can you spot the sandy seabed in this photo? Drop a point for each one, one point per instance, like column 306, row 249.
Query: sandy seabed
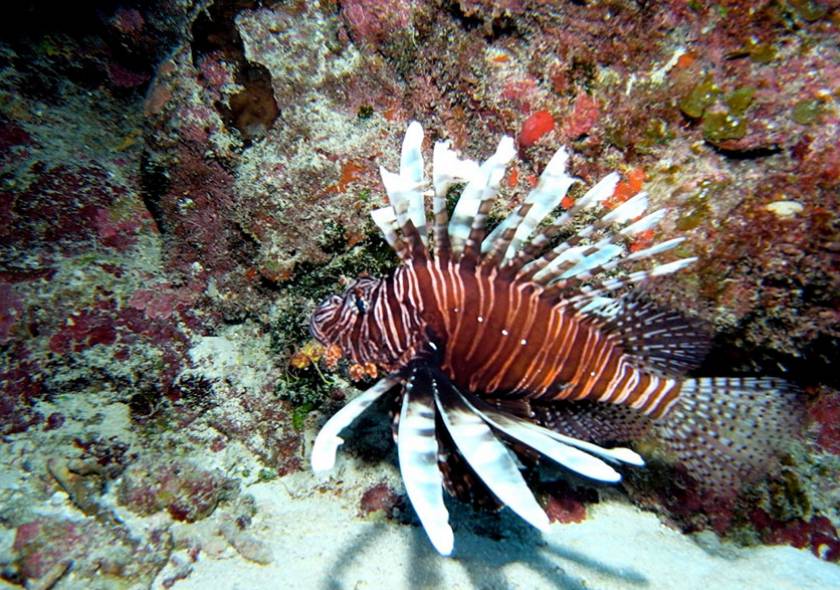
column 318, row 540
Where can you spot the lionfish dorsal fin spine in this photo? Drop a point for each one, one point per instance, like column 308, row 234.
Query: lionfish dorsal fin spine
column 550, row 190
column 568, row 260
column 411, row 168
column 447, row 169
column 552, row 187
column 593, row 197
column 399, row 190
column 505, row 235
column 386, row 220
column 629, row 209
column 482, row 187
column 585, row 296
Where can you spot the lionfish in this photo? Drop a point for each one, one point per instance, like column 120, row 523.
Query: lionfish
column 506, row 346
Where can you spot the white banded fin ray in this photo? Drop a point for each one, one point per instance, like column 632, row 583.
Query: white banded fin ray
column 539, row 439
column 417, row 450
column 327, row 442
column 488, row 457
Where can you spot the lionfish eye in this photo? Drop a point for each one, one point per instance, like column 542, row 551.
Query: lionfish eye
column 361, row 305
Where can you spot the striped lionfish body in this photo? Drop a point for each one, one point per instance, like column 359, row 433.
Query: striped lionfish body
column 503, row 340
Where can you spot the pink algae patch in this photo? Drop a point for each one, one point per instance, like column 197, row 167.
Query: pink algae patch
column 11, row 311
column 162, row 302
column 565, row 509
column 585, row 113
column 82, row 330
column 534, row 127
column 25, row 534
column 825, row 413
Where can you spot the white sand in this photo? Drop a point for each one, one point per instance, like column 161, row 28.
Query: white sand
column 318, row 541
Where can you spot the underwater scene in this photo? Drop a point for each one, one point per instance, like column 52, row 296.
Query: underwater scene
column 419, row 294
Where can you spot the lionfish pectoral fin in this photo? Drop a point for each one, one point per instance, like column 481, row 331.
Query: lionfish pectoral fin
column 487, row 456
column 417, row 449
column 616, row 454
column 327, row 442
column 567, row 453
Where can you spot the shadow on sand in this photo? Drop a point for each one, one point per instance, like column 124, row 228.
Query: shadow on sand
column 485, row 544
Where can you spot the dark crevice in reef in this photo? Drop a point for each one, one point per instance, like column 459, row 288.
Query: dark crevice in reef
column 729, row 355
column 92, row 43
column 750, row 154
column 494, row 28
column 253, row 110
column 154, row 184
column 466, row 22
column 243, row 246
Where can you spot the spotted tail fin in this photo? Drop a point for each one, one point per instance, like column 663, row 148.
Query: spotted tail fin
column 727, row 431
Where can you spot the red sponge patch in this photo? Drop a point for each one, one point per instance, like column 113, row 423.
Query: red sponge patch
column 535, row 127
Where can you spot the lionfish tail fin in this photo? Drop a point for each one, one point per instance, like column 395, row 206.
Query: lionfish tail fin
column 727, row 431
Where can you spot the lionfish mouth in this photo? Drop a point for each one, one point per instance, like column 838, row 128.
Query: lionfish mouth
column 473, row 426
column 322, row 315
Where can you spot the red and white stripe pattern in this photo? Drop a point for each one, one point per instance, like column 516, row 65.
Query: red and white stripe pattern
column 496, row 334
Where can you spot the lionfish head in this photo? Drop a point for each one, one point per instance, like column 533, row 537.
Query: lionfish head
column 335, row 318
